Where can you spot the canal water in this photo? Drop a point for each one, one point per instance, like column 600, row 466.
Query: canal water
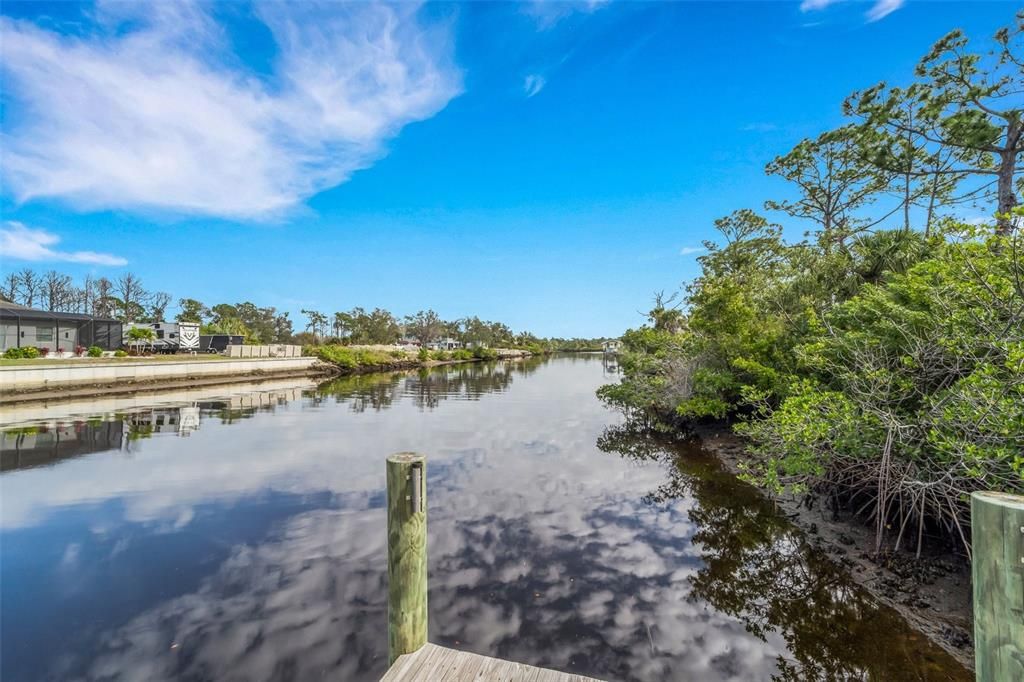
column 239, row 534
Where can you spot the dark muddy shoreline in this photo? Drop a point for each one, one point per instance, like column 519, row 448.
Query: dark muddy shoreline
column 933, row 593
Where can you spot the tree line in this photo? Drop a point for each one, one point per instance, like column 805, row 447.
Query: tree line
column 359, row 326
column 877, row 364
column 123, row 298
column 126, row 299
column 379, row 326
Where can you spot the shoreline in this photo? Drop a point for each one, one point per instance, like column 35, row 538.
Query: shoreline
column 933, row 593
column 256, row 371
column 400, row 365
column 83, row 391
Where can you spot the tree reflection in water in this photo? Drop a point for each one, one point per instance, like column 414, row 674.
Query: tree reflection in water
column 252, row 549
column 759, row 568
column 427, row 387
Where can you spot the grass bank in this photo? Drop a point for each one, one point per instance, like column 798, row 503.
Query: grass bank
column 42, row 362
column 363, row 359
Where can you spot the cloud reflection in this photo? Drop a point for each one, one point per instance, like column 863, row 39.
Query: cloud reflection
column 622, row 564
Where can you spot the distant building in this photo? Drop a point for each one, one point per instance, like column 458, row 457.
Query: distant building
column 21, row 326
column 611, row 346
column 447, row 343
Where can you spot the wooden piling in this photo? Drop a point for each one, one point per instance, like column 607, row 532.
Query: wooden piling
column 407, row 553
column 997, row 566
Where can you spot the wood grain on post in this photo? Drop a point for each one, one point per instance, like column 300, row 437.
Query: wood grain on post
column 407, row 553
column 997, row 567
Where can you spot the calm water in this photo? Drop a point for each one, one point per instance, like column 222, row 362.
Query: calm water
column 240, row 535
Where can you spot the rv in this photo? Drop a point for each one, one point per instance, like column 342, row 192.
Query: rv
column 170, row 337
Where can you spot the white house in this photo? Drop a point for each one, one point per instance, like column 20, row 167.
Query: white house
column 447, row 343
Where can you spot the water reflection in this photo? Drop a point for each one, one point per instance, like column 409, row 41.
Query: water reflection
column 254, row 549
column 66, row 434
column 755, row 566
column 426, row 388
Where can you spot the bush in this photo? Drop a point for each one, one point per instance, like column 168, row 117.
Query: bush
column 441, row 355
column 94, row 351
column 120, row 353
column 462, row 354
column 423, row 355
column 482, row 353
column 349, row 358
column 14, row 353
column 893, row 373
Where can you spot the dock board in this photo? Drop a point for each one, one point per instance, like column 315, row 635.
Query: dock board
column 438, row 664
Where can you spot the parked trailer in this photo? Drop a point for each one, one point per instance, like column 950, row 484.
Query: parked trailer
column 218, row 343
column 169, row 337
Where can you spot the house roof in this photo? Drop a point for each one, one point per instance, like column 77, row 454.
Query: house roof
column 23, row 312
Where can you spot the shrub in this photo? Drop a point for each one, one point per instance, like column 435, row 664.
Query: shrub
column 350, row 358
column 33, row 352
column 482, row 353
column 94, row 351
column 120, row 353
column 441, row 355
column 14, row 353
column 462, row 354
column 423, row 355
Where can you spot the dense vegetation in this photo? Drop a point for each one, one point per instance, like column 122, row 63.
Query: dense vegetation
column 361, row 358
column 360, row 327
column 876, row 364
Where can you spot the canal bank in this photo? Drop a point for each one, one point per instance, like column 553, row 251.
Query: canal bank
column 80, row 378
column 933, row 593
column 42, row 380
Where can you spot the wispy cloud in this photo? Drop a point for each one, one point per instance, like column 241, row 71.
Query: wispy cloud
column 811, row 5
column 547, row 13
column 879, row 10
column 533, row 84
column 153, row 110
column 690, row 250
column 883, row 8
column 20, row 242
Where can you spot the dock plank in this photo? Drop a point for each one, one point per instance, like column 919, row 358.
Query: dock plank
column 439, row 664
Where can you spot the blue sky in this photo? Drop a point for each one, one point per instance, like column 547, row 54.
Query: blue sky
column 549, row 165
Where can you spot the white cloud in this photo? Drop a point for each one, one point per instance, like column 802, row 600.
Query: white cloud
column 153, row 110
column 883, row 8
column 533, row 84
column 547, row 13
column 689, row 250
column 879, row 10
column 20, row 242
column 811, row 5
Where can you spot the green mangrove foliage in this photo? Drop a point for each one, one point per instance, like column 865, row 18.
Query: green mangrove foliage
column 873, row 363
column 350, row 358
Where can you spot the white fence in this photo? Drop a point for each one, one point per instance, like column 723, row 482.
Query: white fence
column 84, row 373
column 274, row 350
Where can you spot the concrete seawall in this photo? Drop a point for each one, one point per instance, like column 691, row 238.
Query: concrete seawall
column 21, row 381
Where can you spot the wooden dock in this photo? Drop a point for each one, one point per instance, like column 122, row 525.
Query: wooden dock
column 438, row 664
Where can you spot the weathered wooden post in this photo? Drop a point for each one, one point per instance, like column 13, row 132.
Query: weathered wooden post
column 407, row 553
column 997, row 529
